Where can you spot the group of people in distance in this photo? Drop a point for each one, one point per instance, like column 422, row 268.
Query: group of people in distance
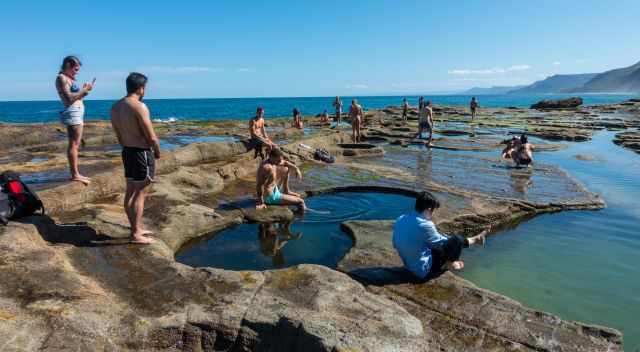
column 424, row 251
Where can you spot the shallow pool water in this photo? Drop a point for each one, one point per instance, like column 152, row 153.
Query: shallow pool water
column 581, row 265
column 315, row 238
column 177, row 141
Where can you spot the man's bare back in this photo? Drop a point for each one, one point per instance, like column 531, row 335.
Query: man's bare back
column 131, row 122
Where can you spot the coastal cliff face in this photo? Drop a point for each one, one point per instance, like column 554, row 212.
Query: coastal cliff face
column 71, row 281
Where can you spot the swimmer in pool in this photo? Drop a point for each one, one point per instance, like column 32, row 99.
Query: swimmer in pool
column 519, row 150
column 272, row 186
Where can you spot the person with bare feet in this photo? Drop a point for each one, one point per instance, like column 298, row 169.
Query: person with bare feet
column 405, row 109
column 72, row 117
column 297, row 119
column 337, row 104
column 474, row 107
column 140, row 147
column 356, row 115
column 425, row 121
column 259, row 134
column 272, row 182
column 424, row 251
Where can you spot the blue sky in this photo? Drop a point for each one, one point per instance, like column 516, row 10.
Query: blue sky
column 310, row 48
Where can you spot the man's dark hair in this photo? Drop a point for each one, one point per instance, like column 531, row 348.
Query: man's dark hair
column 135, row 81
column 276, row 153
column 70, row 61
column 426, row 200
column 259, row 109
column 524, row 139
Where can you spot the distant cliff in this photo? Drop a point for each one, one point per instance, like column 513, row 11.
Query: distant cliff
column 619, row 80
column 555, row 84
column 496, row 90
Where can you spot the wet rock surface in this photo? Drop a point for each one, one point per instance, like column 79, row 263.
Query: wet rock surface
column 72, row 281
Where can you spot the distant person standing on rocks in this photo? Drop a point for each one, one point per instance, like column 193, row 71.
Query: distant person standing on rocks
column 356, row 114
column 425, row 121
column 259, row 135
column 338, row 105
column 131, row 122
column 297, row 119
column 424, row 251
column 272, row 182
column 474, row 107
column 405, row 109
column 72, row 117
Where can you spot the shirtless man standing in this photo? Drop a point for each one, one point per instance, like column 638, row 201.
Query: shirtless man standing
column 132, row 124
column 426, row 121
column 272, row 177
column 356, row 113
column 259, row 134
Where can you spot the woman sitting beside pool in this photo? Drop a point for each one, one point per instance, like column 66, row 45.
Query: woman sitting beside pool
column 424, row 251
column 272, row 182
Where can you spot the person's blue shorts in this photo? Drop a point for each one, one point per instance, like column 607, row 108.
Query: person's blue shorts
column 275, row 197
column 72, row 116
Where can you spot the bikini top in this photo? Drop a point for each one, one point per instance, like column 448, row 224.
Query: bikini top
column 74, row 87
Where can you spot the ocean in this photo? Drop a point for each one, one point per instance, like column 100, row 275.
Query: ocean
column 244, row 108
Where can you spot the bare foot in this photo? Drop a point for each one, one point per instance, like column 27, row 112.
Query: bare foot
column 84, row 180
column 457, row 265
column 142, row 240
column 146, row 233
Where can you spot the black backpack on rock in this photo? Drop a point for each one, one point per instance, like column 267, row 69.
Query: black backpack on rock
column 17, row 200
column 324, row 155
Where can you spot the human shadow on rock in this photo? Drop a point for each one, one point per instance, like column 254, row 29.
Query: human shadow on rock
column 76, row 234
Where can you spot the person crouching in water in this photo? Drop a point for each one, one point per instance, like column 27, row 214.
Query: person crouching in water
column 424, row 251
column 272, row 182
column 519, row 150
column 356, row 115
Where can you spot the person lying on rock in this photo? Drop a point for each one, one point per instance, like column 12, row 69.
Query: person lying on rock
column 259, row 134
column 272, row 182
column 519, row 150
column 424, row 251
column 140, row 147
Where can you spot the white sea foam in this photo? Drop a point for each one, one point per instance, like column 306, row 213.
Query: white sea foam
column 167, row 120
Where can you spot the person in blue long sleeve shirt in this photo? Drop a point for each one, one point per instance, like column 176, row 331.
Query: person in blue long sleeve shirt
column 422, row 248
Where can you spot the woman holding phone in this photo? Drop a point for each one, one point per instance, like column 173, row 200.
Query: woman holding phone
column 72, row 117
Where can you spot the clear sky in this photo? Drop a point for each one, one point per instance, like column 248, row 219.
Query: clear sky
column 310, row 48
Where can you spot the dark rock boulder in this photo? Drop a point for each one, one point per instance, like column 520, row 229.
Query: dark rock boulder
column 558, row 104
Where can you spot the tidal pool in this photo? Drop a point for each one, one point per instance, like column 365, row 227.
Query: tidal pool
column 315, row 238
column 580, row 265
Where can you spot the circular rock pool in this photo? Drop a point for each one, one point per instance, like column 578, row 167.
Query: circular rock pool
column 315, row 238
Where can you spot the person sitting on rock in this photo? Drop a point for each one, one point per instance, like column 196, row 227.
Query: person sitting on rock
column 324, row 118
column 272, row 182
column 259, row 135
column 424, row 251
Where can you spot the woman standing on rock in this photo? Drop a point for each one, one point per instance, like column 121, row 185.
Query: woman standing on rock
column 356, row 114
column 297, row 119
column 72, row 117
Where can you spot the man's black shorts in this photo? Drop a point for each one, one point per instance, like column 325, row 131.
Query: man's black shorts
column 139, row 164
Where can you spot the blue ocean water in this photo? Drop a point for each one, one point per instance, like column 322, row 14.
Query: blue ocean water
column 242, row 108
